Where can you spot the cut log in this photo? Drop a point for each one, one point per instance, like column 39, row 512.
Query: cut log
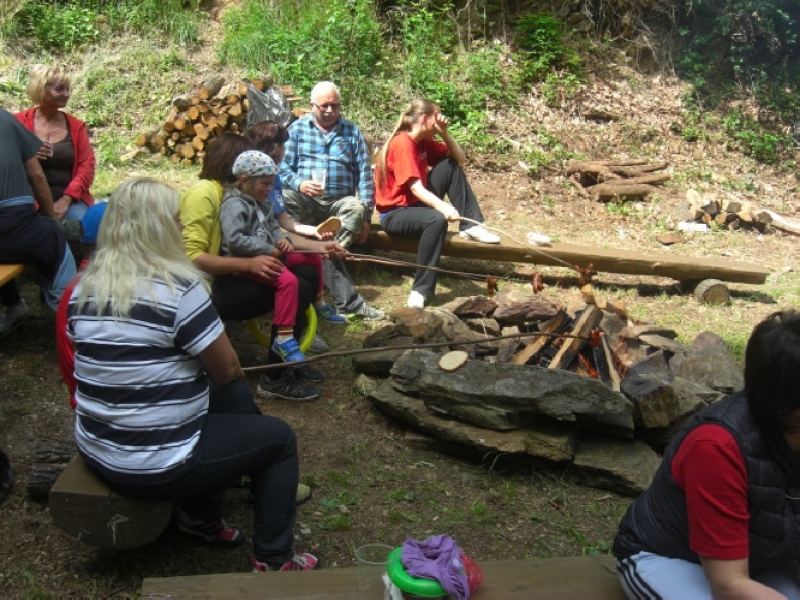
column 182, row 102
column 589, row 319
column 606, row 192
column 453, row 361
column 193, row 112
column 532, row 350
column 784, row 223
column 85, row 507
column 647, row 179
column 211, row 87
column 610, row 363
column 712, row 291
column 639, row 171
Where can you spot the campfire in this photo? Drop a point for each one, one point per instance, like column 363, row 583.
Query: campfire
column 590, row 389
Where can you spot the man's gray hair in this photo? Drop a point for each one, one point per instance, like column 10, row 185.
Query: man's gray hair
column 324, row 86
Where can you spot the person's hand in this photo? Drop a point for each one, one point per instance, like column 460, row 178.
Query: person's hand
column 311, row 188
column 325, row 235
column 448, row 210
column 284, row 245
column 363, row 235
column 61, row 206
column 264, row 266
column 440, row 123
column 334, row 250
column 45, row 151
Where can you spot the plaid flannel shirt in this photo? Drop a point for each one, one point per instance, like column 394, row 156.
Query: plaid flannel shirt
column 343, row 152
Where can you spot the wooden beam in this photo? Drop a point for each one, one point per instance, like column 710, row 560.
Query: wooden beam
column 9, row 271
column 544, row 579
column 681, row 268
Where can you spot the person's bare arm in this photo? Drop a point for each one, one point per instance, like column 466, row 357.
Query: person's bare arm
column 429, row 198
column 41, row 189
column 453, row 148
column 264, row 266
column 730, row 580
column 221, row 362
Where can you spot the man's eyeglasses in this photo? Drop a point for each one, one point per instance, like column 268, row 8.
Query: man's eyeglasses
column 328, row 106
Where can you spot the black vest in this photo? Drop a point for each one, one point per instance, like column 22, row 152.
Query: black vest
column 657, row 521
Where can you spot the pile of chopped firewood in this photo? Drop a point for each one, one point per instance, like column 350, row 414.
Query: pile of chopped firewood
column 197, row 118
column 608, row 180
column 735, row 214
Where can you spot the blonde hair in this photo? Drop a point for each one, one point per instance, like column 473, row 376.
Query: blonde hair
column 40, row 77
column 413, row 111
column 138, row 243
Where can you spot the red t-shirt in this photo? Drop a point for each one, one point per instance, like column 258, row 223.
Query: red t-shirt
column 710, row 469
column 406, row 160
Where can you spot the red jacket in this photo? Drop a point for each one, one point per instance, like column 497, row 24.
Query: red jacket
column 83, row 169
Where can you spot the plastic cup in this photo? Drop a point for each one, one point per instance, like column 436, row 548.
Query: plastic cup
column 319, row 176
column 371, row 568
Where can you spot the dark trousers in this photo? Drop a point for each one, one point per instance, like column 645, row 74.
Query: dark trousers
column 238, row 440
column 429, row 226
column 241, row 298
column 26, row 237
column 448, row 179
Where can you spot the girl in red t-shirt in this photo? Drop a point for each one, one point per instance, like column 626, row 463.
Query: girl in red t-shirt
column 405, row 190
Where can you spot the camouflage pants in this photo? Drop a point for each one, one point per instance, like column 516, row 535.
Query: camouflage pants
column 313, row 211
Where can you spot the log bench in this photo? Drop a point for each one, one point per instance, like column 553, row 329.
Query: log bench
column 9, row 271
column 85, row 507
column 575, row 578
column 624, row 262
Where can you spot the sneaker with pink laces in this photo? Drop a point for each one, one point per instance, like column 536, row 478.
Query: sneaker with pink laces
column 216, row 532
column 299, row 562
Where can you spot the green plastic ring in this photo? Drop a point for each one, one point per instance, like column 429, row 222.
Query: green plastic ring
column 425, row 588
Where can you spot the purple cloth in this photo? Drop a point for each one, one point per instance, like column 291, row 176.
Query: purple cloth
column 437, row 558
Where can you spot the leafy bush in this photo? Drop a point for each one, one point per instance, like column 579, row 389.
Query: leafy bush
column 307, row 42
column 68, row 24
column 752, row 139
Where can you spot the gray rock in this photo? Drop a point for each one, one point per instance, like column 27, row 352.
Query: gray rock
column 633, row 332
column 661, row 342
column 710, row 366
column 472, row 306
column 549, row 441
column 507, row 396
column 624, row 467
column 654, row 366
column 518, row 306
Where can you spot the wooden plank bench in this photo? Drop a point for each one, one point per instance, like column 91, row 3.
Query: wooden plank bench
column 625, row 262
column 9, row 271
column 85, row 507
column 575, row 578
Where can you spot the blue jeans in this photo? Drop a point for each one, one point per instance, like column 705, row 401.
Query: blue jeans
column 238, row 440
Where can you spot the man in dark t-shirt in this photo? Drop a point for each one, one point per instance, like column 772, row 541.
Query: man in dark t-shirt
column 28, row 236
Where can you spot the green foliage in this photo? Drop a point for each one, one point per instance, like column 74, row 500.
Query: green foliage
column 306, row 42
column 752, row 139
column 540, row 38
column 69, row 24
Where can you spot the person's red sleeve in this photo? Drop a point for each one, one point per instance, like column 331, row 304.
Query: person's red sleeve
column 405, row 159
column 84, row 167
column 710, row 469
column 66, row 352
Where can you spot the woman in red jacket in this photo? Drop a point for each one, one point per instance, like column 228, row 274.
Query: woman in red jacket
column 66, row 156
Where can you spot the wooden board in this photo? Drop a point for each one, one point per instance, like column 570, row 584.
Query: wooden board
column 681, row 268
column 576, row 578
column 9, row 271
column 84, row 506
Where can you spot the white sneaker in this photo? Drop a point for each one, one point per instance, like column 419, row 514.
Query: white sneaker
column 318, row 345
column 481, row 234
column 15, row 316
column 415, row 300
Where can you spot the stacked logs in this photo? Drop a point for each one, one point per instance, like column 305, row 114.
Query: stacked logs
column 726, row 213
column 608, row 180
column 198, row 117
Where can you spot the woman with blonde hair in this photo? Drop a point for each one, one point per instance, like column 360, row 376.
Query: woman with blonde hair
column 66, row 156
column 162, row 410
column 405, row 191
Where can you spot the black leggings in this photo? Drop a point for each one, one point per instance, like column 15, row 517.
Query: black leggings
column 241, row 298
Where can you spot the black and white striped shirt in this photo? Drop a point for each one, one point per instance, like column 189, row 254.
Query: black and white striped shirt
column 142, row 392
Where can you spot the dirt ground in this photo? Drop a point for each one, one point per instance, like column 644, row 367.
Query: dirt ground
column 371, row 479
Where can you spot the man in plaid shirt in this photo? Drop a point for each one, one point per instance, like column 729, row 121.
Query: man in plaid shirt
column 325, row 140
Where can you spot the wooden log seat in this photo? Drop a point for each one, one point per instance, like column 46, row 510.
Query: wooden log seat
column 85, row 507
column 9, row 271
